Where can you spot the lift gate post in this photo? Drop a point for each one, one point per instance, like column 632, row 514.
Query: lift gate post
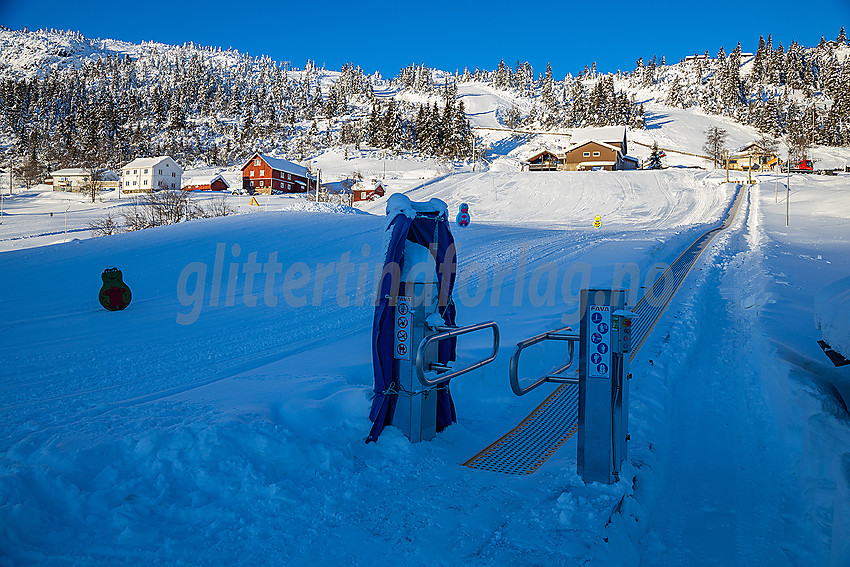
column 421, row 320
column 415, row 414
column 603, row 411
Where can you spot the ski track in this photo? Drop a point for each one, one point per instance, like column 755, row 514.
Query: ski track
column 721, row 500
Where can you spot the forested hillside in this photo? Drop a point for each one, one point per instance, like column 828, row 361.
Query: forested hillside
column 68, row 101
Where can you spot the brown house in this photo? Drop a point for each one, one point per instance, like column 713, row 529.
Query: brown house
column 612, row 135
column 592, row 155
column 265, row 174
column 603, row 148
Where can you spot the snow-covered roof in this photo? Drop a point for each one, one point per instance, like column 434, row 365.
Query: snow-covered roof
column 540, row 153
column 70, row 171
column 604, row 133
column 280, row 164
column 752, row 145
column 585, row 142
column 105, row 174
column 204, row 180
column 149, row 162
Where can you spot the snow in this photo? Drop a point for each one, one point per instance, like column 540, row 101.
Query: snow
column 832, row 314
column 400, row 204
column 220, row 418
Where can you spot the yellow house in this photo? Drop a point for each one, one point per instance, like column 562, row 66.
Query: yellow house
column 752, row 156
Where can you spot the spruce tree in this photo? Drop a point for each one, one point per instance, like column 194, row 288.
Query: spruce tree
column 654, row 161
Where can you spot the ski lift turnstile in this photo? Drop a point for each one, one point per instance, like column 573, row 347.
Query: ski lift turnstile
column 411, row 382
column 604, row 343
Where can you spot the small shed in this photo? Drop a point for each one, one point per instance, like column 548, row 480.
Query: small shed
column 206, row 183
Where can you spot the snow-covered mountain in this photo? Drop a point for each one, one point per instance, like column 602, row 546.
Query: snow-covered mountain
column 68, row 100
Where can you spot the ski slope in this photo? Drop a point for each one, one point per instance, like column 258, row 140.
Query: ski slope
column 237, row 437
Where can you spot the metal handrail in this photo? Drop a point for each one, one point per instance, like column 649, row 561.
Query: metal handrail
column 449, row 333
column 555, row 376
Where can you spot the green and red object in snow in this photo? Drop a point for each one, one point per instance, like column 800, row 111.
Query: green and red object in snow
column 114, row 294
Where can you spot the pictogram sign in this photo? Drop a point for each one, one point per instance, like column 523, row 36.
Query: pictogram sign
column 599, row 345
column 401, row 331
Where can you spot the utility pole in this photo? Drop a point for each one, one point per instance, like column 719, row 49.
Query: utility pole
column 473, row 153
column 727, row 166
column 750, row 170
column 318, row 183
column 788, row 190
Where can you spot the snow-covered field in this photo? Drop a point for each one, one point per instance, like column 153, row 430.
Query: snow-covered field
column 220, row 418
column 219, row 421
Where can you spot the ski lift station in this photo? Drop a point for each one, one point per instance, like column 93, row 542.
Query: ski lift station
column 415, row 339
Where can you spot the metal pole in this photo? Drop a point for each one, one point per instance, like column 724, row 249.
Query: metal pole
column 727, row 166
column 776, row 182
column 750, row 169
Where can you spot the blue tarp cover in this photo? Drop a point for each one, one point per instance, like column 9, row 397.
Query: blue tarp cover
column 423, row 229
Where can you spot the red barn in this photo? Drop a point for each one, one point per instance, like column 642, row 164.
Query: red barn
column 264, row 174
column 206, row 183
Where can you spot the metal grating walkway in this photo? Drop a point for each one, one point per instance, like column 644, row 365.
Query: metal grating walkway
column 530, row 444
column 537, row 437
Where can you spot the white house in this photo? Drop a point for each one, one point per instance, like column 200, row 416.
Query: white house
column 70, row 179
column 77, row 179
column 151, row 174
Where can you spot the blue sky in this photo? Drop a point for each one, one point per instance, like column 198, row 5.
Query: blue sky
column 386, row 36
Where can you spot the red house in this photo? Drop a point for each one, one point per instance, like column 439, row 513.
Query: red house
column 264, row 174
column 363, row 194
column 206, row 183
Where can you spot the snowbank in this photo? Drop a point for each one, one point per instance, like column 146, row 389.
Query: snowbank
column 832, row 315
